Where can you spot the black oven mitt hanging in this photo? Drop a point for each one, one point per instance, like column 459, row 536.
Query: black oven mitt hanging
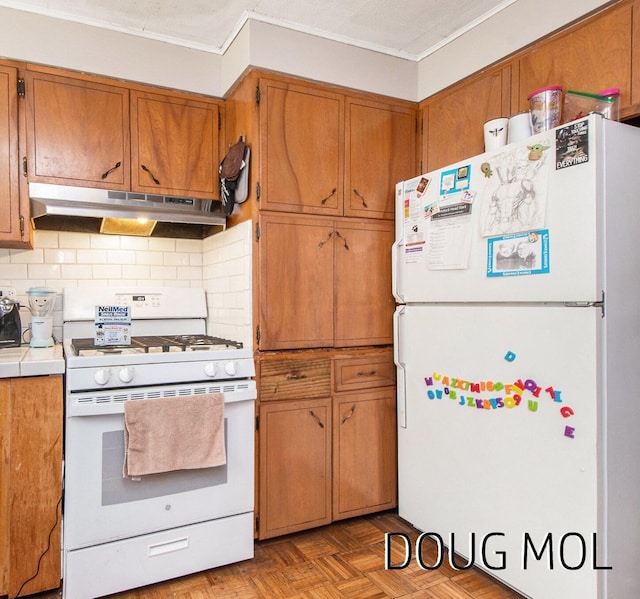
column 230, row 168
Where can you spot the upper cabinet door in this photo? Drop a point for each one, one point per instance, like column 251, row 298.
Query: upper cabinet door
column 302, row 148
column 174, row 145
column 453, row 119
column 77, row 131
column 13, row 225
column 380, row 151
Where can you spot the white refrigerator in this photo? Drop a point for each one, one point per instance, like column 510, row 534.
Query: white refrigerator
column 517, row 346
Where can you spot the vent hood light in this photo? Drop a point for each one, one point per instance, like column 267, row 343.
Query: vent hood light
column 68, row 208
column 141, row 227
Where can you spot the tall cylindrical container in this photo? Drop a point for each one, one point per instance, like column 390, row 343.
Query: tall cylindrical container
column 546, row 107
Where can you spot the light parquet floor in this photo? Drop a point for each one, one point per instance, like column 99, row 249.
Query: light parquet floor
column 342, row 560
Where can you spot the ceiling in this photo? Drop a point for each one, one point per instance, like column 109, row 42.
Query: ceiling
column 409, row 29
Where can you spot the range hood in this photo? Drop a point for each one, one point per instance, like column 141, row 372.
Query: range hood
column 67, row 208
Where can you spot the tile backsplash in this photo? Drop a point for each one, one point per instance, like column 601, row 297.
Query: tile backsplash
column 221, row 264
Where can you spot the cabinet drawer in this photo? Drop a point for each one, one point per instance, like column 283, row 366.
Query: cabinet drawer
column 294, row 379
column 365, row 372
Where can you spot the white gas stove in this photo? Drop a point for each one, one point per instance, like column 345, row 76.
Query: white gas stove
column 122, row 533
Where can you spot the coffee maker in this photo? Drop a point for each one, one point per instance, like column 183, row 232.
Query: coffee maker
column 10, row 325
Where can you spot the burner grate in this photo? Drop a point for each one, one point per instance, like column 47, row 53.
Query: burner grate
column 155, row 344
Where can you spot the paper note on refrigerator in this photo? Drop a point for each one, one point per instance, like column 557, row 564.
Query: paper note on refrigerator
column 449, row 236
column 515, row 196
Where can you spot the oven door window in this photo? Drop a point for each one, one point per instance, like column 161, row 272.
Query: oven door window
column 117, row 489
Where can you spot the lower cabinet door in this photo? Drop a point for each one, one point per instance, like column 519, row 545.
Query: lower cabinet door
column 295, row 466
column 364, row 452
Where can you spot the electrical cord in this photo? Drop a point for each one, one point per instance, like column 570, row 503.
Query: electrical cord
column 44, row 552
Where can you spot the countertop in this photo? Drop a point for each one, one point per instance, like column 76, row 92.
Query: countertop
column 31, row 361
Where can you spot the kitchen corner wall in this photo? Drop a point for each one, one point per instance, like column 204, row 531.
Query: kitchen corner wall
column 221, row 264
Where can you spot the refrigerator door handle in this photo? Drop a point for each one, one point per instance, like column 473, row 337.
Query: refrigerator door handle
column 400, row 369
column 395, row 288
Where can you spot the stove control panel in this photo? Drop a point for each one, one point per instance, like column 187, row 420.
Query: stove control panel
column 133, row 375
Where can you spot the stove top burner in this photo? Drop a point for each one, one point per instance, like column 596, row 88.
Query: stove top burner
column 155, row 344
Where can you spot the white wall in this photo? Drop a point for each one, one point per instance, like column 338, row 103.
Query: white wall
column 40, row 39
column 226, row 272
column 44, row 40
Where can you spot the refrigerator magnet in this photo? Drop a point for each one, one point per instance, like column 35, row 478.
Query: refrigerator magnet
column 518, row 254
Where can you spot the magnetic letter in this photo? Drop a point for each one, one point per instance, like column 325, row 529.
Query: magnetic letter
column 510, row 356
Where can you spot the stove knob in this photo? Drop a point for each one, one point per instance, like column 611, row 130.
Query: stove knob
column 126, row 374
column 230, row 368
column 101, row 377
column 210, row 369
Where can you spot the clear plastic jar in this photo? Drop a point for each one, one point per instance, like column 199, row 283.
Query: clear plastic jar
column 612, row 93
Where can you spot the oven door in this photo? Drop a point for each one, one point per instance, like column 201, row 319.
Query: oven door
column 101, row 505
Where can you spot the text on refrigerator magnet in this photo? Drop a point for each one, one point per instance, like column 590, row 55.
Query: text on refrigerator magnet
column 510, row 356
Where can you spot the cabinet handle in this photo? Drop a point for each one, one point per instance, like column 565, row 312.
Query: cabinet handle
column 349, row 415
column 313, row 414
column 146, row 170
column 364, row 203
column 325, row 240
column 344, row 240
column 113, row 168
column 370, row 373
column 295, row 376
column 324, row 200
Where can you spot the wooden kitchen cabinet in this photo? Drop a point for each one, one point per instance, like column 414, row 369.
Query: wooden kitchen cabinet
column 295, row 466
column 380, row 151
column 30, row 483
column 324, row 282
column 601, row 51
column 92, row 132
column 303, row 376
column 174, row 145
column 301, row 148
column 14, row 207
column 364, row 301
column 78, row 131
column 319, row 149
column 364, row 434
column 591, row 56
column 364, row 452
column 453, row 119
column 327, row 438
